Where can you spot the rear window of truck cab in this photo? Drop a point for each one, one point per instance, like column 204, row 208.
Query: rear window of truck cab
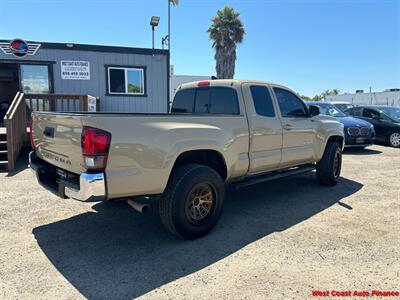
column 206, row 100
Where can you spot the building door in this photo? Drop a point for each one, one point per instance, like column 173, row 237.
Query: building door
column 27, row 78
column 9, row 86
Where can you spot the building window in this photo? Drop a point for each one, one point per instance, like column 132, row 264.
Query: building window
column 126, row 81
column 35, row 79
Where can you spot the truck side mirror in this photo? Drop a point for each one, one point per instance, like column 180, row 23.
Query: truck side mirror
column 314, row 110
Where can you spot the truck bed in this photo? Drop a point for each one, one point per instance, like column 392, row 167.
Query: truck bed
column 145, row 144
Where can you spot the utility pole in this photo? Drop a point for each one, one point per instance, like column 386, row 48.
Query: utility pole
column 174, row 2
column 169, row 25
column 168, row 41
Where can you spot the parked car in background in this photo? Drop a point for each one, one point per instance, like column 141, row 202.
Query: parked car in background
column 358, row 133
column 242, row 132
column 386, row 120
column 343, row 105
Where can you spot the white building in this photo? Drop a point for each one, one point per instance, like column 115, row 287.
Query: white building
column 389, row 97
column 177, row 80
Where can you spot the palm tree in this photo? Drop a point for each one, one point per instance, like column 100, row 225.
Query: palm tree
column 329, row 93
column 226, row 31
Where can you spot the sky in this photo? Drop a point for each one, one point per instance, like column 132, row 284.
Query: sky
column 307, row 45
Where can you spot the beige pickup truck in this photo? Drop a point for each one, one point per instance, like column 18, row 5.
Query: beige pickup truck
column 218, row 131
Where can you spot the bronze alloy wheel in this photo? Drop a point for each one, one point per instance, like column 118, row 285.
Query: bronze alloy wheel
column 337, row 164
column 200, row 203
column 192, row 203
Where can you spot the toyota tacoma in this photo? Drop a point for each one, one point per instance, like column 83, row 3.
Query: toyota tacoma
column 217, row 132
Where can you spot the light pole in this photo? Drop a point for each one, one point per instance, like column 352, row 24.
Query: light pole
column 154, row 23
column 169, row 21
column 174, row 2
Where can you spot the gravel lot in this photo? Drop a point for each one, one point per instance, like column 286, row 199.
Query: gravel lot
column 277, row 240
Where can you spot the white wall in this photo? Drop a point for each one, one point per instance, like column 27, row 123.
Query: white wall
column 177, row 80
column 377, row 98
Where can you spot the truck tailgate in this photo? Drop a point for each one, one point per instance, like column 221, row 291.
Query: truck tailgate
column 57, row 139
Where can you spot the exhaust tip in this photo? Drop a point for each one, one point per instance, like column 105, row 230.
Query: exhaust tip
column 140, row 207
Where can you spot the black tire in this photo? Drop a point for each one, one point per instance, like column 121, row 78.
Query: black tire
column 178, row 209
column 329, row 167
column 393, row 139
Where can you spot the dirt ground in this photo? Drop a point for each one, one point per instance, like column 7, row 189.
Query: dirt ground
column 277, row 240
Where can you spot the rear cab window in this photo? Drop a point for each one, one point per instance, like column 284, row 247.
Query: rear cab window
column 206, row 100
column 184, row 101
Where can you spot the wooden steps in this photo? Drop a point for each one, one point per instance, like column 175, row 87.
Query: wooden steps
column 3, row 145
column 3, row 151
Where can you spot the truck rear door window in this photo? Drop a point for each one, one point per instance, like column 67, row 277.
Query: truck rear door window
column 183, row 101
column 262, row 101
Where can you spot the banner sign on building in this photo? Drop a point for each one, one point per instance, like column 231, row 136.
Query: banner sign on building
column 75, row 70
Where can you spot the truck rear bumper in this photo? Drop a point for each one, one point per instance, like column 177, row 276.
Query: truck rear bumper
column 91, row 186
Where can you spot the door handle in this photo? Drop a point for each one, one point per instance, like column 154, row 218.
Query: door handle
column 287, row 126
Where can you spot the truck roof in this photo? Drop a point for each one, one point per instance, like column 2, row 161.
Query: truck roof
column 228, row 82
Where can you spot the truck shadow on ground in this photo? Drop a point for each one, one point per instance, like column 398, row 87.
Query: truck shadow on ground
column 117, row 253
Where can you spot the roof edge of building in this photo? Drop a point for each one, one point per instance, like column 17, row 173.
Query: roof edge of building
column 97, row 48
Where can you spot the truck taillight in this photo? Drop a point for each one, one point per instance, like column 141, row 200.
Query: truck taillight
column 31, row 136
column 95, row 145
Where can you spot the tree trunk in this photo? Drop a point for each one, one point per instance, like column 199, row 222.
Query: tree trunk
column 225, row 58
